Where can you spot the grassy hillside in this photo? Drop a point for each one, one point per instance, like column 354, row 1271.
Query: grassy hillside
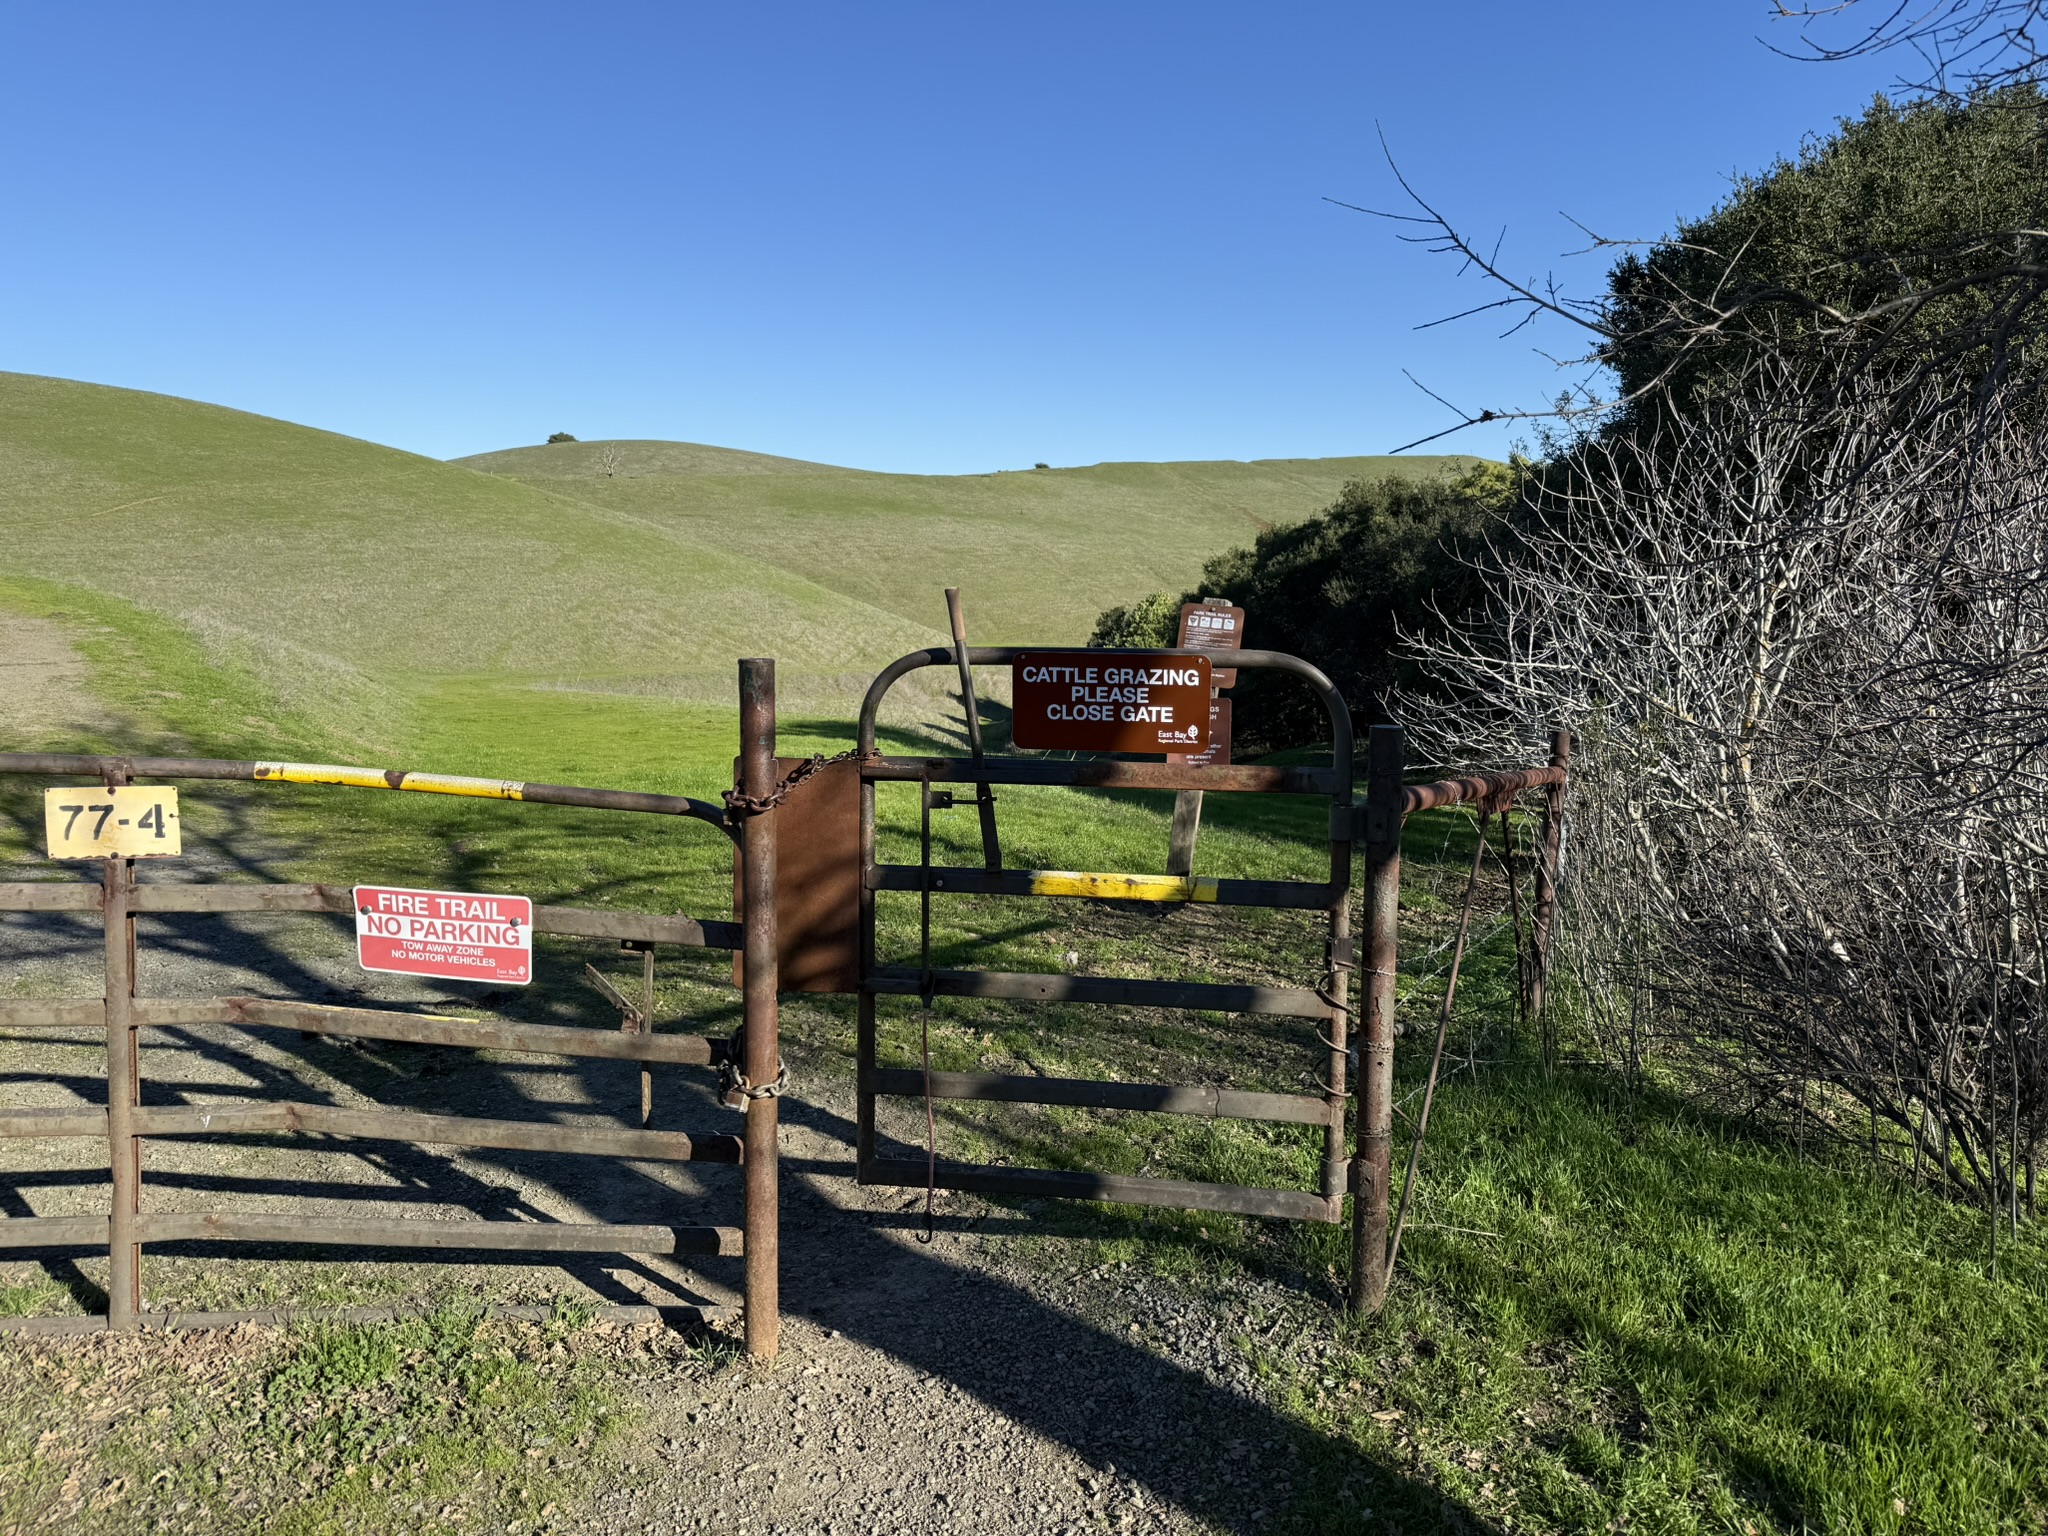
column 1038, row 553
column 345, row 574
column 356, row 582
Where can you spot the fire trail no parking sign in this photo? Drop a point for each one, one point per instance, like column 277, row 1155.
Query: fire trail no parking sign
column 451, row 935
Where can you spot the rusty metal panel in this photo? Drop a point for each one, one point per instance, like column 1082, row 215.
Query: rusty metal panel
column 817, row 881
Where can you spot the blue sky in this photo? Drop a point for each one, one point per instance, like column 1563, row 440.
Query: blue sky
column 916, row 237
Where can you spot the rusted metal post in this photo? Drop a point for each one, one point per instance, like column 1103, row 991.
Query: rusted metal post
column 1544, row 916
column 763, row 1063
column 1342, row 960
column 124, row 1149
column 1374, row 1165
column 984, row 793
column 646, row 1028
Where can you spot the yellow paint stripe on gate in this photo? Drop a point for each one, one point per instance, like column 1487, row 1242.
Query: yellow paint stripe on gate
column 382, row 778
column 1061, row 882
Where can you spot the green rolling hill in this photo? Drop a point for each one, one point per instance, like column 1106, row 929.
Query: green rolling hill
column 371, row 594
column 1038, row 553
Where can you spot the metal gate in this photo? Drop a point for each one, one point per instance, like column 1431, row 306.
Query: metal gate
column 1326, row 1003
column 125, row 1019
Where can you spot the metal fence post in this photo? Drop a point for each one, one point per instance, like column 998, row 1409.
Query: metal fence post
column 1372, row 1193
column 1544, row 914
column 763, row 1063
column 124, row 1149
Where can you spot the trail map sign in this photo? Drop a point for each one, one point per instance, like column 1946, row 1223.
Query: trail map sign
column 1146, row 702
column 453, row 935
column 1212, row 627
column 134, row 821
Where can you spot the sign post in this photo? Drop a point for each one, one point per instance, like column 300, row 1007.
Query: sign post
column 1210, row 625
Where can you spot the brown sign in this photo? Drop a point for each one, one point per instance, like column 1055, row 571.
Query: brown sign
column 1217, row 753
column 1149, row 702
column 1208, row 627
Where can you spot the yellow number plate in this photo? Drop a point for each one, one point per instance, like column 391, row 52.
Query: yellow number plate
column 134, row 821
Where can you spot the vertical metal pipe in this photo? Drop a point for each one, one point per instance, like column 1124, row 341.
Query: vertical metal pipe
column 124, row 1149
column 646, row 1028
column 1370, row 1206
column 763, row 1063
column 1337, row 1028
column 864, row 1021
column 984, row 794
column 1544, row 915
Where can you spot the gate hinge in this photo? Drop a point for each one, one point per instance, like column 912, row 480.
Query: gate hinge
column 1343, row 953
column 1361, row 822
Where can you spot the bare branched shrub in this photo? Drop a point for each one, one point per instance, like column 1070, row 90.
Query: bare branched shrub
column 1807, row 661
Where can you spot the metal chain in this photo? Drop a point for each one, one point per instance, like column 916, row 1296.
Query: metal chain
column 733, row 1083
column 739, row 805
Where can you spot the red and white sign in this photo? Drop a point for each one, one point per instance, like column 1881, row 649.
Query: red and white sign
column 454, row 935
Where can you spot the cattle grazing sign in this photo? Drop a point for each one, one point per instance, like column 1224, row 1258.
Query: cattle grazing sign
column 1147, row 702
column 453, row 935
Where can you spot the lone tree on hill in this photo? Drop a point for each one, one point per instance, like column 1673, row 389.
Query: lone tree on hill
column 561, row 437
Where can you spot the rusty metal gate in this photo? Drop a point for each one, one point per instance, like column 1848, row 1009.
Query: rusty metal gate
column 124, row 1019
column 1325, row 1003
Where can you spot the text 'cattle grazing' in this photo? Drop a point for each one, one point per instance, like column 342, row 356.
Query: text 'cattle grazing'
column 1147, row 702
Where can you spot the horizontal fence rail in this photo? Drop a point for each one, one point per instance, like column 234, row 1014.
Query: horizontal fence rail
column 1131, row 992
column 1198, row 890
column 1154, row 1098
column 1116, row 1188
column 78, row 765
column 1478, row 787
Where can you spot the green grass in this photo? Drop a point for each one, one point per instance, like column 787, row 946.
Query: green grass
column 1038, row 554
column 1654, row 1320
column 355, row 580
column 446, row 1421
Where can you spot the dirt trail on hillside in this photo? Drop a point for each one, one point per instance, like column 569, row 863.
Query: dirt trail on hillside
column 42, row 683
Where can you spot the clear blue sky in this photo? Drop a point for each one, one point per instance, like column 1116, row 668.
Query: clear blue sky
column 919, row 237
